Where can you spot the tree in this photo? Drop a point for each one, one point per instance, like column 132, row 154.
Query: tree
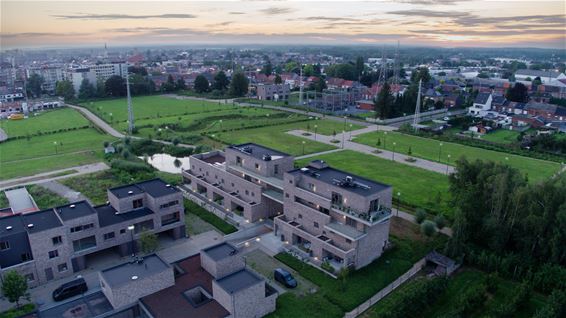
column 65, row 89
column 221, row 82
column 343, row 277
column 267, row 68
column 239, row 85
column 168, row 86
column 518, row 93
column 201, row 84
column 148, row 242
column 177, row 163
column 384, row 102
column 278, row 79
column 115, row 86
column 292, row 66
column 100, row 88
column 180, row 85
column 346, row 71
column 420, row 73
column 33, row 85
column 428, row 228
column 308, row 70
column 14, row 287
column 86, row 90
column 175, row 141
column 420, row 216
column 440, row 221
column 359, row 66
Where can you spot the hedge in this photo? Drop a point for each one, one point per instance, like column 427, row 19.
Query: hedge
column 221, row 225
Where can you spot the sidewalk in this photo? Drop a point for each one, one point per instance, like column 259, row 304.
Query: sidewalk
column 344, row 143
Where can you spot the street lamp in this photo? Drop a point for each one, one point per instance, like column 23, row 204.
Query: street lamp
column 393, row 152
column 350, row 132
column 304, row 142
column 447, row 163
column 55, row 144
column 131, row 229
column 398, row 202
column 315, row 127
column 111, row 118
column 220, row 124
column 439, row 151
column 384, row 140
column 343, row 136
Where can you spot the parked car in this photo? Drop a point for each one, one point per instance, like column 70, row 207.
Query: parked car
column 70, row 289
column 285, row 278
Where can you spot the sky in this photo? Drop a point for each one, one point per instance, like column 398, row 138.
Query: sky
column 445, row 23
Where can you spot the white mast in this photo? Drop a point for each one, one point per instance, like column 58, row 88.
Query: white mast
column 301, row 86
column 417, row 109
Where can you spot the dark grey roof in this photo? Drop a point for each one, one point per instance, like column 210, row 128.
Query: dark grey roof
column 540, row 73
column 499, row 99
column 122, row 274
column 220, row 251
column 560, row 111
column 14, row 221
column 482, row 98
column 257, row 151
column 154, row 187
column 237, row 281
column 17, row 238
column 157, row 188
column 107, row 215
column 329, row 175
column 42, row 220
column 74, row 210
column 542, row 106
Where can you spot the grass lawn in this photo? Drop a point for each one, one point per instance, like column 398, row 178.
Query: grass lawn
column 468, row 278
column 218, row 223
column 195, row 225
column 418, row 187
column 276, row 137
column 18, row 312
column 3, row 200
column 265, row 265
column 501, row 136
column 150, row 107
column 45, row 198
column 93, row 185
column 429, row 149
column 44, row 122
column 24, row 157
column 364, row 283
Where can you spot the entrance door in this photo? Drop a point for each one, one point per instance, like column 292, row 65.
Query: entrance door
column 49, row 273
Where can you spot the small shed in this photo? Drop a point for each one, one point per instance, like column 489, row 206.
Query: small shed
column 443, row 264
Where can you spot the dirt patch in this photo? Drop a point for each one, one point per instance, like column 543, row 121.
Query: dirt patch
column 406, row 230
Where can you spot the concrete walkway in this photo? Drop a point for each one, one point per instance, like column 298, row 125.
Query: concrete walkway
column 64, row 191
column 45, row 176
column 344, row 143
column 113, row 132
column 3, row 135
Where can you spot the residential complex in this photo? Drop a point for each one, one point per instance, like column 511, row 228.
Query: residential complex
column 327, row 214
column 334, row 216
column 274, row 92
column 57, row 242
column 245, row 179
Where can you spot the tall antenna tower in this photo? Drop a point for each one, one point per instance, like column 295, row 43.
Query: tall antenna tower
column 396, row 68
column 417, row 109
column 382, row 71
column 130, row 109
column 301, row 86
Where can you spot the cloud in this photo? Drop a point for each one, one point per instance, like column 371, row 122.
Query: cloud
column 473, row 20
column 490, row 32
column 125, row 16
column 430, row 13
column 39, row 35
column 430, row 2
column 276, row 10
column 322, row 18
column 225, row 23
column 236, row 12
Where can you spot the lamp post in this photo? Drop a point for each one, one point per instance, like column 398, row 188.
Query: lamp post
column 55, row 144
column 304, row 142
column 350, row 132
column 343, row 136
column 315, row 127
column 447, row 163
column 111, row 118
column 344, row 123
column 220, row 124
column 393, row 152
column 439, row 151
column 131, row 229
column 384, row 140
column 398, row 202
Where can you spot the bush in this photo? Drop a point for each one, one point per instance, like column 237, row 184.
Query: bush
column 413, row 298
column 327, row 267
column 440, row 221
column 223, row 226
column 420, row 216
column 428, row 228
column 130, row 166
column 18, row 312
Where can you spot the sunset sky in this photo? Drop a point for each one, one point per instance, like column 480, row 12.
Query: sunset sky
column 413, row 22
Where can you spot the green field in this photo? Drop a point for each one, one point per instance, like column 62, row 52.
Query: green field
column 150, row 107
column 502, row 136
column 418, row 187
column 25, row 157
column 44, row 122
column 277, row 137
column 430, row 149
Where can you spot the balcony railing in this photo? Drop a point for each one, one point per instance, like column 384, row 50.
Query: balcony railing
column 371, row 217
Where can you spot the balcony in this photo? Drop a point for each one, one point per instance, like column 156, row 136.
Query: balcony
column 274, row 182
column 368, row 218
column 345, row 230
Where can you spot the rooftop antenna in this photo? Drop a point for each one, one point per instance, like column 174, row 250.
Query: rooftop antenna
column 417, row 109
column 382, row 71
column 130, row 110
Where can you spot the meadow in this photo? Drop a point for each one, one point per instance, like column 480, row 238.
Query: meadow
column 44, row 122
column 431, row 149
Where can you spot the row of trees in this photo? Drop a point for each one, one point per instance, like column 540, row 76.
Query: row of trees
column 237, row 87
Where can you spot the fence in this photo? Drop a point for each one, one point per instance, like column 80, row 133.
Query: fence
column 423, row 116
column 385, row 291
column 209, row 206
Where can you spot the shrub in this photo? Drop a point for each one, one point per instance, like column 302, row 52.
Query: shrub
column 428, row 228
column 327, row 267
column 420, row 216
column 440, row 221
column 130, row 166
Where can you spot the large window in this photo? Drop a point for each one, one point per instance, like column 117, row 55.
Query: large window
column 82, row 227
column 109, row 236
column 53, row 254
column 62, row 267
column 57, row 240
column 143, row 226
column 26, row 257
column 168, row 204
column 138, row 203
column 4, row 245
column 84, row 243
column 336, row 198
column 170, row 218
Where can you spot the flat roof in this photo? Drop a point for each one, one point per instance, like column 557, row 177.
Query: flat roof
column 20, row 201
column 329, row 175
column 238, row 281
column 107, row 215
column 42, row 220
column 258, row 151
column 154, row 187
column 221, row 251
column 74, row 210
column 124, row 273
column 14, row 221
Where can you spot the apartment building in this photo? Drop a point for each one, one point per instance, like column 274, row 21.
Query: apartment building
column 58, row 242
column 272, row 91
column 333, row 216
column 50, row 74
column 245, row 179
column 95, row 72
